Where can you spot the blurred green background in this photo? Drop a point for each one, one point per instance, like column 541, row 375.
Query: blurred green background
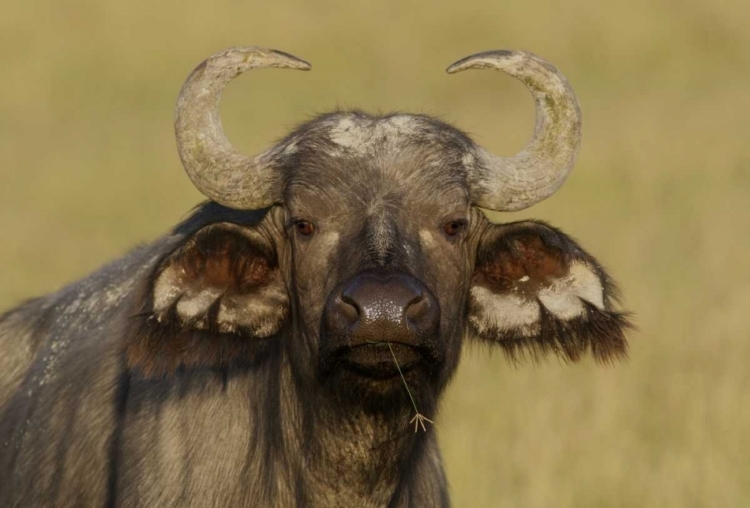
column 660, row 195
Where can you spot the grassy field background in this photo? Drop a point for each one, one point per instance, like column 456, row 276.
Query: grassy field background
column 660, row 195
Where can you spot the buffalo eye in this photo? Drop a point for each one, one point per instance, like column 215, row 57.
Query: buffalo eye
column 454, row 227
column 304, row 227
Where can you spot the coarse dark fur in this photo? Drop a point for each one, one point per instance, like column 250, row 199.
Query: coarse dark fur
column 191, row 372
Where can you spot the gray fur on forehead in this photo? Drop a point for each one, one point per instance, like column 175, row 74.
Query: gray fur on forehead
column 356, row 135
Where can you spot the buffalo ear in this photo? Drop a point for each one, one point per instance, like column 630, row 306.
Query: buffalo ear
column 534, row 290
column 210, row 302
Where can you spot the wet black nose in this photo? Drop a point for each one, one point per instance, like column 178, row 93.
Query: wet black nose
column 383, row 308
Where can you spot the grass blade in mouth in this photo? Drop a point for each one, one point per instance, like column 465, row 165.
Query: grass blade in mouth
column 419, row 419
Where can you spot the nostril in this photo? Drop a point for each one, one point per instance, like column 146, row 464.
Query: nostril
column 417, row 309
column 372, row 308
column 349, row 309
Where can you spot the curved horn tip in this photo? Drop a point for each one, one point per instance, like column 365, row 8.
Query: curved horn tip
column 249, row 57
column 487, row 59
column 298, row 63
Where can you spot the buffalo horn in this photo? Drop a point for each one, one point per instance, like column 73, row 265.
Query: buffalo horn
column 537, row 171
column 216, row 168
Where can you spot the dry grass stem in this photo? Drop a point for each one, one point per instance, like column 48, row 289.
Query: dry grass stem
column 419, row 418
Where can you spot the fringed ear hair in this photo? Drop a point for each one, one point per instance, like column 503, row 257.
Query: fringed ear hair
column 209, row 302
column 535, row 291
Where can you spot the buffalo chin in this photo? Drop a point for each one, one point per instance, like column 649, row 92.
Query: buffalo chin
column 366, row 377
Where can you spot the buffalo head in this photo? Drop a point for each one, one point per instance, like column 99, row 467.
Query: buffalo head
column 370, row 245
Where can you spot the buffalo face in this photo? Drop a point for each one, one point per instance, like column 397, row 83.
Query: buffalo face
column 357, row 247
column 379, row 223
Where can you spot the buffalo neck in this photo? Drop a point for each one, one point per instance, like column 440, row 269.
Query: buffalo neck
column 347, row 457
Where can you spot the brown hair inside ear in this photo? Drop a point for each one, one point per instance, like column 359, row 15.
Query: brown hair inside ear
column 225, row 259
column 536, row 291
column 521, row 256
column 214, row 302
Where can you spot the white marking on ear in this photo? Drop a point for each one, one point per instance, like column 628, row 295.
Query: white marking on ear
column 261, row 310
column 563, row 297
column 192, row 304
column 262, row 313
column 167, row 289
column 503, row 312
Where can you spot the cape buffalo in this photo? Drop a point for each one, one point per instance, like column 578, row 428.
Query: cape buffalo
column 281, row 346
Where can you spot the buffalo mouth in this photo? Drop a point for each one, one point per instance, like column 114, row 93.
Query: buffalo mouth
column 381, row 360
